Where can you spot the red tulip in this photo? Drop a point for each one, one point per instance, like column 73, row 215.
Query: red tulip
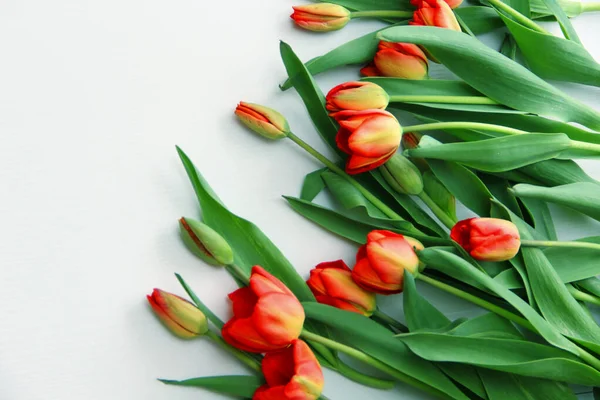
column 293, row 373
column 435, row 13
column 179, row 315
column 357, row 96
column 380, row 263
column 487, row 239
column 452, row 3
column 332, row 284
column 399, row 60
column 267, row 315
column 370, row 137
column 323, row 17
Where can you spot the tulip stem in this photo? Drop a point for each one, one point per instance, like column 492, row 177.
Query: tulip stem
column 240, row 355
column 464, row 125
column 381, row 14
column 364, row 191
column 439, row 213
column 212, row 317
column 442, row 99
column 593, row 6
column 582, row 296
column 476, row 300
column 367, row 359
column 383, row 317
column 522, row 19
column 238, row 273
column 576, row 144
column 363, row 379
column 550, row 243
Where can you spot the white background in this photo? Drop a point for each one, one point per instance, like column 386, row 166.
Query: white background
column 94, row 95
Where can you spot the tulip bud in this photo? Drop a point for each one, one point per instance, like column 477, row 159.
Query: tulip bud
column 401, row 60
column 370, row 137
column 263, row 120
column 417, row 246
column 179, row 315
column 435, row 13
column 487, row 239
column 402, row 175
column 204, row 242
column 452, row 3
column 357, row 96
column 323, row 17
column 380, row 263
column 332, row 284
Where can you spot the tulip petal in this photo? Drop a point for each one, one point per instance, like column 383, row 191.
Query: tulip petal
column 315, row 284
column 262, row 282
column 392, row 63
column 370, row 70
column 339, row 264
column 278, row 366
column 241, row 334
column 358, row 164
column 375, row 137
column 171, row 324
column 243, row 301
column 341, row 140
column 308, row 380
column 368, row 279
column 270, row 393
column 381, row 234
column 279, row 318
column 339, row 285
column 390, row 256
column 461, row 233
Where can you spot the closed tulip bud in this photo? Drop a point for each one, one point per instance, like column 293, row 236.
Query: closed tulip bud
column 380, row 264
column 487, row 239
column 263, row 120
column 435, row 13
column 204, row 242
column 452, row 3
column 266, row 315
column 332, row 284
column 370, row 137
column 398, row 60
column 323, row 17
column 293, row 373
column 357, row 96
column 179, row 315
column 402, row 175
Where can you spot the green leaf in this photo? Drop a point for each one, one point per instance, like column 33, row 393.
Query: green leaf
column 488, row 325
column 240, row 386
column 348, row 196
column 557, row 172
column 479, row 19
column 311, row 95
column 591, row 285
column 507, row 355
column 437, row 257
column 440, row 195
column 365, row 5
column 555, row 58
column 521, row 6
column 368, row 336
column 499, row 188
column 513, row 85
column 498, row 154
column 501, row 386
column 582, row 197
column 563, row 20
column 541, row 217
column 509, row 47
column 250, row 245
column 313, row 185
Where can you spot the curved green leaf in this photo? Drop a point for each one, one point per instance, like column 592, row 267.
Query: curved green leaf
column 235, row 385
column 313, row 185
column 479, row 19
column 513, row 85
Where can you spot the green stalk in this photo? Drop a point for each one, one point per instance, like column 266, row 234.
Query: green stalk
column 381, row 14
column 238, row 272
column 243, row 357
column 518, row 16
column 550, row 243
column 592, row 6
column 476, row 300
column 383, row 317
column 363, row 379
column 582, row 296
column 325, row 161
column 576, row 144
column 463, row 125
column 439, row 213
column 367, row 359
column 442, row 99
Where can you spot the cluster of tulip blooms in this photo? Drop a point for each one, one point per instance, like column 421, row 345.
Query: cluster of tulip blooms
column 494, row 260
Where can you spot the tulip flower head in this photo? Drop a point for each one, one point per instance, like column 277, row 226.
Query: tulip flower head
column 435, row 13
column 179, row 315
column 380, row 264
column 263, row 120
column 487, row 239
column 203, row 241
column 322, row 17
column 357, row 96
column 370, row 137
column 398, row 60
column 452, row 3
column 293, row 373
column 402, row 175
column 332, row 284
column 266, row 315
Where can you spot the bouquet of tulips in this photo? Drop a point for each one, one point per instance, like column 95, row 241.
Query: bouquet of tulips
column 499, row 141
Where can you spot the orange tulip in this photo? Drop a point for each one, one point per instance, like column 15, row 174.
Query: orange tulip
column 267, row 315
column 263, row 120
column 332, row 284
column 380, row 264
column 487, row 239
column 399, row 60
column 370, row 137
column 435, row 13
column 293, row 373
column 357, row 96
column 323, row 17
column 452, row 3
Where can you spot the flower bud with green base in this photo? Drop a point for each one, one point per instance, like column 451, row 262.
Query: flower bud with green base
column 263, row 120
column 179, row 315
column 402, row 175
column 204, row 242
